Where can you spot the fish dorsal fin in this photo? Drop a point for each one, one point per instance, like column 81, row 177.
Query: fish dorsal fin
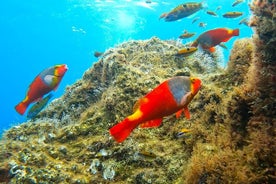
column 139, row 103
column 151, row 123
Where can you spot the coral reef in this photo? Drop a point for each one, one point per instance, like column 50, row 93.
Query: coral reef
column 232, row 119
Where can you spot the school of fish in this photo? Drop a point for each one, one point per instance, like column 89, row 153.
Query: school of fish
column 171, row 96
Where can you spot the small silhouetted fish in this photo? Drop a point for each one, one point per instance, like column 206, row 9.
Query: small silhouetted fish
column 232, row 14
column 244, row 21
column 211, row 13
column 148, row 1
column 98, row 54
column 218, row 8
column 38, row 106
column 186, row 34
column 195, row 19
column 202, row 24
column 237, row 2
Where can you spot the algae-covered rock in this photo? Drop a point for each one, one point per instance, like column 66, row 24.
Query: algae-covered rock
column 69, row 141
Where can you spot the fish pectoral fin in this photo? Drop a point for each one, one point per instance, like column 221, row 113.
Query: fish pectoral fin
column 212, row 49
column 178, row 113
column 187, row 112
column 38, row 99
column 151, row 123
column 48, row 79
column 185, row 99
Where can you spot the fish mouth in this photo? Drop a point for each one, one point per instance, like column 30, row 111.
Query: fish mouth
column 62, row 72
column 66, row 67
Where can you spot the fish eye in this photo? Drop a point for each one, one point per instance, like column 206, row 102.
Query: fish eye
column 188, row 49
column 184, row 5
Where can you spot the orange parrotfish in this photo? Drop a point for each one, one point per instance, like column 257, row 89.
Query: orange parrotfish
column 171, row 96
column 43, row 83
column 209, row 39
column 181, row 11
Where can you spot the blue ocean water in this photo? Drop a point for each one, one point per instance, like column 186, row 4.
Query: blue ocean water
column 35, row 35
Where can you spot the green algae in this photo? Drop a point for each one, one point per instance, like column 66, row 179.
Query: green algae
column 232, row 121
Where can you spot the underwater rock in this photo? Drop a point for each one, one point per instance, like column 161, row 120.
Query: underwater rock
column 231, row 122
column 239, row 62
column 5, row 176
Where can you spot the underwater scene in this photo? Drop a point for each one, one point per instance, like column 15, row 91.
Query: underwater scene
column 138, row 91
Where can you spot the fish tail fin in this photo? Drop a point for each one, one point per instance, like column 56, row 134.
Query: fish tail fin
column 236, row 32
column 22, row 106
column 123, row 129
column 204, row 5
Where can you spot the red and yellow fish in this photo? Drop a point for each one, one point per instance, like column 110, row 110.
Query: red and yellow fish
column 209, row 39
column 181, row 11
column 45, row 82
column 171, row 96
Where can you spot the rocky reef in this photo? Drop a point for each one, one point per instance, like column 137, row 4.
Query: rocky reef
column 232, row 138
